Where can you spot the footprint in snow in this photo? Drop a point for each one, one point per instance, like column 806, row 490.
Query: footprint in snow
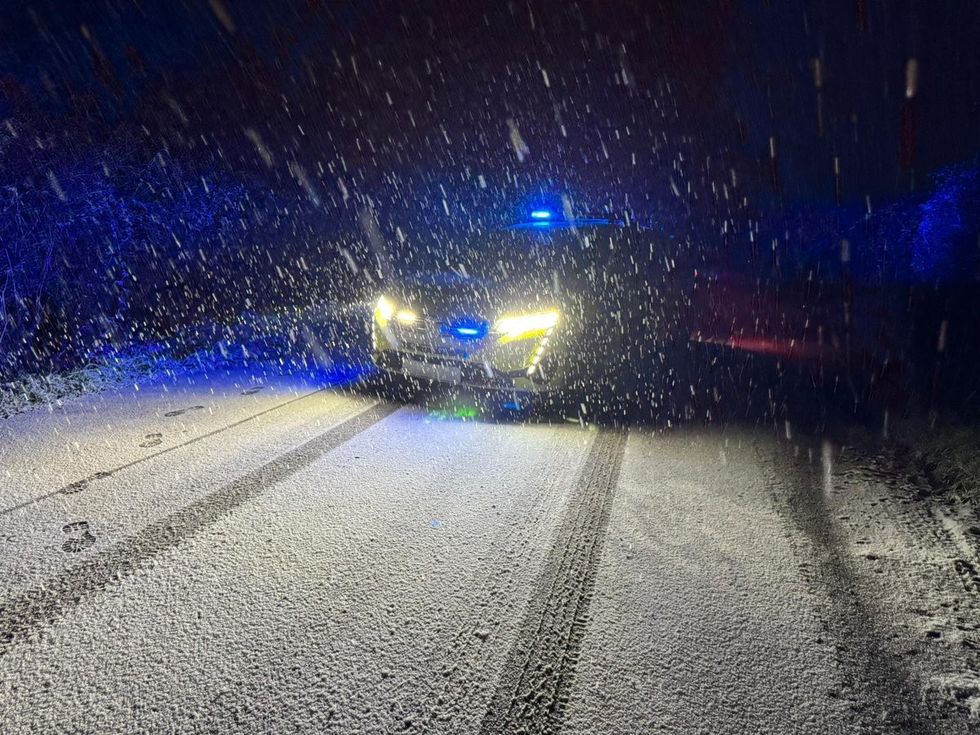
column 182, row 411
column 79, row 485
column 152, row 440
column 79, row 537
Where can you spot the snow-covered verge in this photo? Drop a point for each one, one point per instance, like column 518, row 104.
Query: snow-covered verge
column 909, row 514
column 323, row 339
column 950, row 458
column 30, row 391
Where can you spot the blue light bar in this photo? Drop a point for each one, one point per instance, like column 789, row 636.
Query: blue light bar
column 541, row 214
column 562, row 224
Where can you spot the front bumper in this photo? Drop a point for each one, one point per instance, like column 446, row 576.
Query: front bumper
column 454, row 371
column 424, row 350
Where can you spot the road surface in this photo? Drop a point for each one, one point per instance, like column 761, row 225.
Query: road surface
column 223, row 554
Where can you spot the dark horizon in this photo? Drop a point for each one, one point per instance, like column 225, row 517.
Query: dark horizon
column 435, row 84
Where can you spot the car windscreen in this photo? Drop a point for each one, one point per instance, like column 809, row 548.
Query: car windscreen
column 504, row 254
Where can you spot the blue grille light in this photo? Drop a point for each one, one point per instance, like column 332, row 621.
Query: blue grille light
column 467, row 328
column 541, row 214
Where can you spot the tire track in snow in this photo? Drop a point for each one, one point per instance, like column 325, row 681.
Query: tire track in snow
column 884, row 696
column 537, row 678
column 933, row 562
column 458, row 681
column 934, row 520
column 63, row 592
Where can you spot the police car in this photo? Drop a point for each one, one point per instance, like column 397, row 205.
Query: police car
column 552, row 303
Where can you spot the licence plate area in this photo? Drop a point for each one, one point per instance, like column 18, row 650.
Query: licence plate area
column 428, row 338
column 440, row 372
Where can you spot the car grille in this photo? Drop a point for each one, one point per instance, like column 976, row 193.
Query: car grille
column 425, row 335
column 429, row 338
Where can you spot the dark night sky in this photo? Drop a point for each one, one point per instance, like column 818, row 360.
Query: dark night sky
column 600, row 90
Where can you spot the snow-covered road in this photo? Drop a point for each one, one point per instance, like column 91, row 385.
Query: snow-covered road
column 225, row 555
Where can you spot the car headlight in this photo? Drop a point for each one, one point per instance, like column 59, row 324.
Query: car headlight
column 525, row 326
column 386, row 310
